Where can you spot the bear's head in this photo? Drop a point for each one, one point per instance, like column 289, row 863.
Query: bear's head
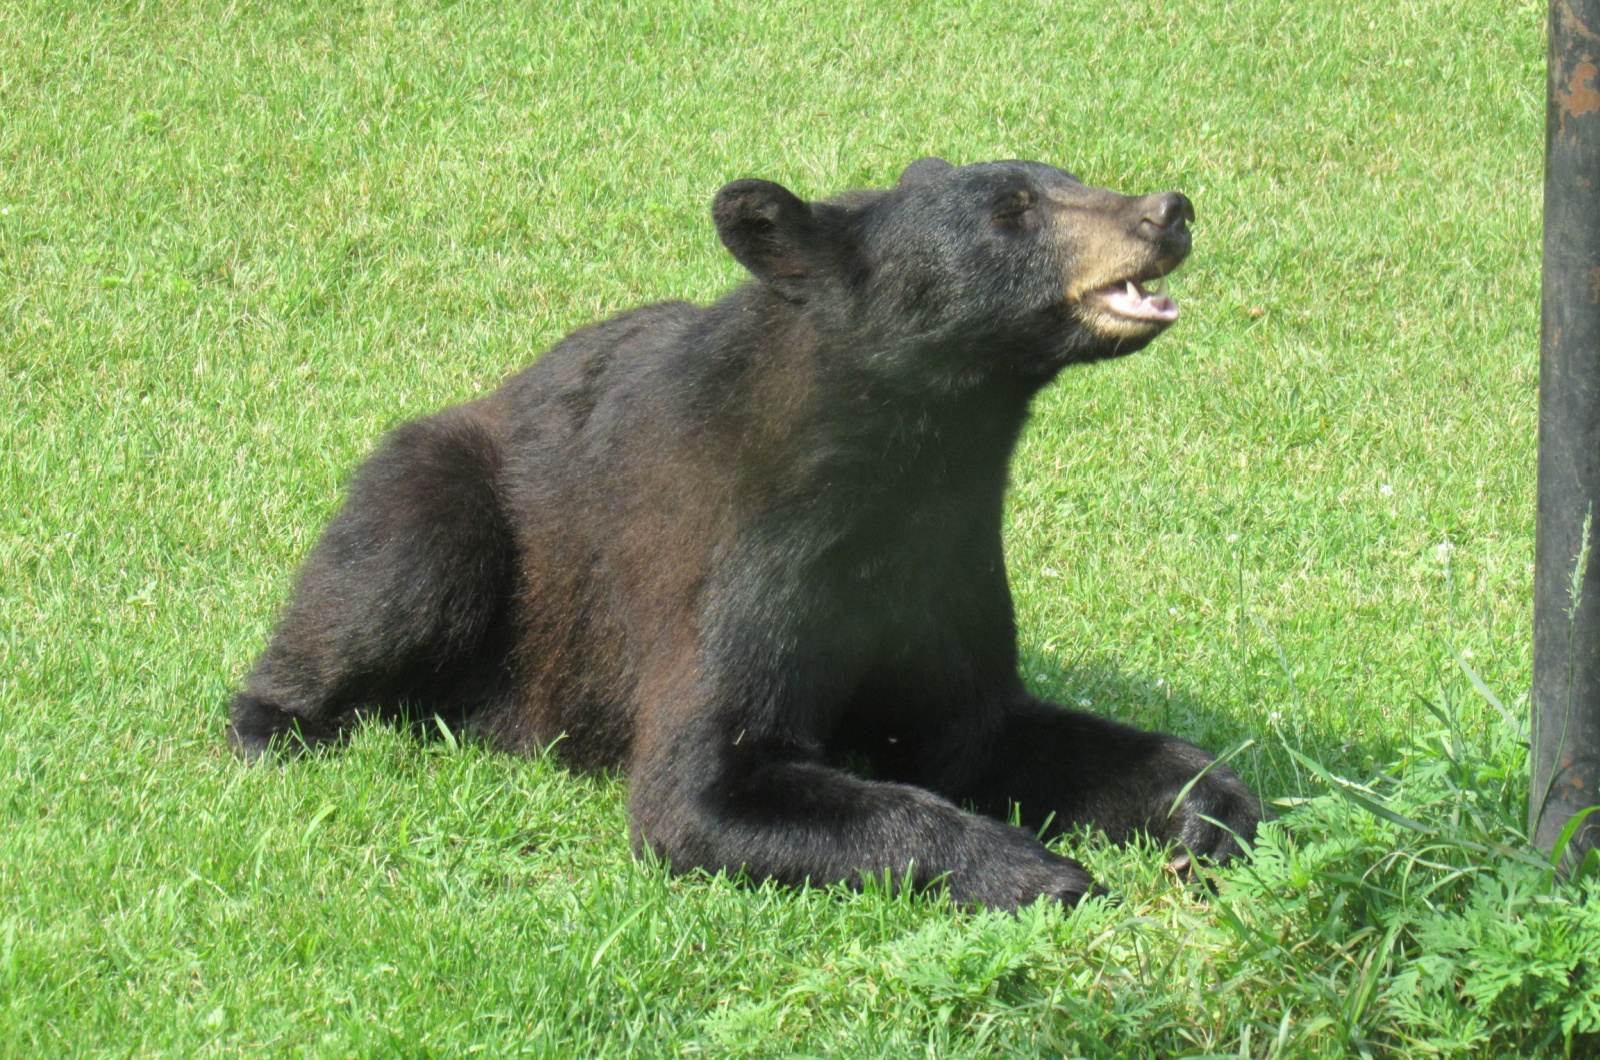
column 960, row 273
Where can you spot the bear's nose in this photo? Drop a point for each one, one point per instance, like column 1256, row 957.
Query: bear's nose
column 1172, row 210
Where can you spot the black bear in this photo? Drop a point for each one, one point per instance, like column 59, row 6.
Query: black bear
column 750, row 553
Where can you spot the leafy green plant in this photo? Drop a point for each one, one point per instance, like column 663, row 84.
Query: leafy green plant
column 1419, row 900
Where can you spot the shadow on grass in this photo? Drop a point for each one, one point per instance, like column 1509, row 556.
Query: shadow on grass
column 1102, row 686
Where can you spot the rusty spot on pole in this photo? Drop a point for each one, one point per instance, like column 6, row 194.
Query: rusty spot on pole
column 1582, row 96
column 1579, row 94
column 1594, row 285
column 1578, row 27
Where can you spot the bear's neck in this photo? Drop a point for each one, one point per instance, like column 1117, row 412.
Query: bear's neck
column 831, row 409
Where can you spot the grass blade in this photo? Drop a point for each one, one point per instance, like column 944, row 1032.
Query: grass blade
column 1488, row 694
column 445, row 734
column 1183, row 792
column 1347, row 790
column 627, row 921
column 1559, row 849
column 327, row 811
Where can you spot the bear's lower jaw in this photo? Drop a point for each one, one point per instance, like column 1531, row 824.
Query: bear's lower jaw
column 1129, row 301
column 1111, row 326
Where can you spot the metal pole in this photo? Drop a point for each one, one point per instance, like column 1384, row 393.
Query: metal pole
column 1565, row 755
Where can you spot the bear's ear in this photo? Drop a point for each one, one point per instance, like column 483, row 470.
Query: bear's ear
column 923, row 170
column 770, row 232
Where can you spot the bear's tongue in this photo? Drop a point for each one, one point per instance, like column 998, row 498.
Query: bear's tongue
column 1131, row 300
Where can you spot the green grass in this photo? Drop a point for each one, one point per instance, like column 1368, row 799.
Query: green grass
column 240, row 241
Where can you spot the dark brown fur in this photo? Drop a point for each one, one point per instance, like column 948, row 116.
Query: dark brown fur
column 737, row 550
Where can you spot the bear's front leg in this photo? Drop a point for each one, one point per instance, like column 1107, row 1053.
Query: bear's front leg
column 1062, row 768
column 723, row 802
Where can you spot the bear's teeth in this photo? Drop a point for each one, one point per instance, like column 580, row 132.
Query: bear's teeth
column 1133, row 291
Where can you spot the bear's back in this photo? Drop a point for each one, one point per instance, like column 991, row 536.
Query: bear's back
column 612, row 510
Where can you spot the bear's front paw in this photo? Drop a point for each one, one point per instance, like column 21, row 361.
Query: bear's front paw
column 1016, row 870
column 1063, row 881
column 1215, row 820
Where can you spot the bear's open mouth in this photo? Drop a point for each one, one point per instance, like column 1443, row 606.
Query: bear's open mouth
column 1129, row 299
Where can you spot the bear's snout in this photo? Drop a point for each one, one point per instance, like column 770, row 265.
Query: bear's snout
column 1171, row 211
column 1164, row 220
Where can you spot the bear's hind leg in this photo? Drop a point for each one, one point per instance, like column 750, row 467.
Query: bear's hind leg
column 399, row 605
column 257, row 727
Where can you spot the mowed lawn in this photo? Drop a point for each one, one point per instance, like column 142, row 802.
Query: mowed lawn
column 239, row 241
